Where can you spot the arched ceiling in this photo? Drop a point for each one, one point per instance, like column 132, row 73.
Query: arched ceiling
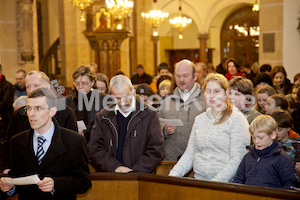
column 202, row 12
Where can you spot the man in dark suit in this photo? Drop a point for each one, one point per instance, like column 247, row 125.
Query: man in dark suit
column 57, row 155
column 19, row 121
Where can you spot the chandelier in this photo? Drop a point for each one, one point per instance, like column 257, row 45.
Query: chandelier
column 82, row 5
column 154, row 17
column 179, row 22
column 119, row 9
column 255, row 6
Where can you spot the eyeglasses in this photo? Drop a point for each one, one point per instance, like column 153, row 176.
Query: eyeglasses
column 35, row 109
column 102, row 88
column 85, row 83
column 184, row 76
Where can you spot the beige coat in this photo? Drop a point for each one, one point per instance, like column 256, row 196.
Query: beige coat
column 173, row 107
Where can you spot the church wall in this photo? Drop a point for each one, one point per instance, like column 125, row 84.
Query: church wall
column 271, row 32
column 9, row 57
column 291, row 38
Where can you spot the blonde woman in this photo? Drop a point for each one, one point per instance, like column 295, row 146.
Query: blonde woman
column 219, row 136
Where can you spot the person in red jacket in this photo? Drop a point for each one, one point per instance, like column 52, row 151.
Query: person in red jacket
column 233, row 68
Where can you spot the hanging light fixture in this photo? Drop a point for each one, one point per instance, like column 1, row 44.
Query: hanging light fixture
column 255, row 6
column 119, row 9
column 180, row 22
column 82, row 5
column 154, row 17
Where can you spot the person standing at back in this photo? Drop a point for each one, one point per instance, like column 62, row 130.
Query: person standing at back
column 141, row 76
column 201, row 72
column 186, row 102
column 20, row 89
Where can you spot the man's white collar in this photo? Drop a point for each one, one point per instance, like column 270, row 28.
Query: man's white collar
column 186, row 96
column 130, row 109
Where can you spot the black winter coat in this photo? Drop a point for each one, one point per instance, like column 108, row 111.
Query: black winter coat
column 66, row 162
column 6, row 101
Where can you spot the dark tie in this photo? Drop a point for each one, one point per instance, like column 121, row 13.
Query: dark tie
column 40, row 151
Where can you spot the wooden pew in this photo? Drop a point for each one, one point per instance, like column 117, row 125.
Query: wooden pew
column 165, row 166
column 135, row 186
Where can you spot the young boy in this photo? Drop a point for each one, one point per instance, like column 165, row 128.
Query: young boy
column 266, row 164
column 240, row 95
column 286, row 136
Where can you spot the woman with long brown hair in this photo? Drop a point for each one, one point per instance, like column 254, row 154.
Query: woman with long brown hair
column 219, row 136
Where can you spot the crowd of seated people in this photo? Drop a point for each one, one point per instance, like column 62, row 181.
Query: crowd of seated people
column 237, row 126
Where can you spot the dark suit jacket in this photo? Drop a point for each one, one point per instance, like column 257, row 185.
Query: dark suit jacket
column 6, row 101
column 19, row 123
column 66, row 162
column 88, row 116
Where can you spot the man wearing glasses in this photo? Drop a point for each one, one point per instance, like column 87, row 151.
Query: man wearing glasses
column 126, row 136
column 57, row 155
column 186, row 102
column 19, row 121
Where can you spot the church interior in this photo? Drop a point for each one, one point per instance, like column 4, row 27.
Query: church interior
column 56, row 36
column 50, row 35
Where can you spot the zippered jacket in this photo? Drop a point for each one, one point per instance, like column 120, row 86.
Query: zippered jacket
column 173, row 107
column 143, row 146
column 274, row 169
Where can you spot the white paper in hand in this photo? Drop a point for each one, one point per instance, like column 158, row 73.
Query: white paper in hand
column 81, row 125
column 27, row 180
column 174, row 122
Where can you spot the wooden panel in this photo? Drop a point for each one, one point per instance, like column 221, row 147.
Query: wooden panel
column 135, row 186
column 112, row 190
column 157, row 191
column 149, row 186
column 165, row 166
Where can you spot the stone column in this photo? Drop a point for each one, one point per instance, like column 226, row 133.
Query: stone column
column 155, row 39
column 203, row 47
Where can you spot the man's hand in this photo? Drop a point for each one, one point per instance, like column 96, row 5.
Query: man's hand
column 81, row 132
column 5, row 186
column 46, row 185
column 6, row 171
column 123, row 169
column 170, row 129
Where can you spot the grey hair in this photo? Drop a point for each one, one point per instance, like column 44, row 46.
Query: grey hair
column 21, row 100
column 119, row 81
column 41, row 75
column 201, row 64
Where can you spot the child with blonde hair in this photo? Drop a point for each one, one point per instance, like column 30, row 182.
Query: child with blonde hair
column 266, row 164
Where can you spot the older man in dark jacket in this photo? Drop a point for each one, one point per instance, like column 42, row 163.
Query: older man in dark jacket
column 126, row 136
